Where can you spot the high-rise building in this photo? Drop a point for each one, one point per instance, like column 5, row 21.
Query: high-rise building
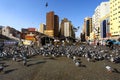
column 115, row 18
column 56, row 26
column 50, row 21
column 66, row 29
column 42, row 28
column 62, row 27
column 87, row 27
column 52, row 24
column 96, row 18
column 104, row 19
column 101, row 13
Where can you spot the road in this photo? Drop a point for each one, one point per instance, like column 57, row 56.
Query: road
column 61, row 68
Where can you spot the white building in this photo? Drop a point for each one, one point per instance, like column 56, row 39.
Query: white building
column 67, row 29
column 100, row 12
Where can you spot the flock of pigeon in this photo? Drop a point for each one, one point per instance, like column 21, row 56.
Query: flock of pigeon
column 74, row 52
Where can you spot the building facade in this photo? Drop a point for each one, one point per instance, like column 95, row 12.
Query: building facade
column 11, row 33
column 52, row 24
column 87, row 27
column 104, row 20
column 1, row 29
column 42, row 28
column 66, row 29
column 56, row 26
column 115, row 18
column 100, row 20
column 62, row 26
column 105, row 29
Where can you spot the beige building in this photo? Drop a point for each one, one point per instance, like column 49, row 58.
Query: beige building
column 87, row 27
column 115, row 18
column 66, row 29
column 42, row 28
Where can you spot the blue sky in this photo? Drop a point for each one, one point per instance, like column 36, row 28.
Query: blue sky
column 30, row 13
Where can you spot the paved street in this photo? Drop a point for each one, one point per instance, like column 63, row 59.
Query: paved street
column 60, row 68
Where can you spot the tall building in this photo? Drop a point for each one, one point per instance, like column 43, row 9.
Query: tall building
column 56, row 26
column 115, row 18
column 52, row 24
column 50, row 20
column 42, row 28
column 62, row 27
column 105, row 29
column 87, row 27
column 66, row 29
column 101, row 14
column 96, row 18
column 104, row 19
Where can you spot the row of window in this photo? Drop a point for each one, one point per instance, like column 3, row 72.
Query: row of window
column 115, row 6
column 114, row 1
column 116, row 32
column 115, row 18
column 112, row 23
column 115, row 13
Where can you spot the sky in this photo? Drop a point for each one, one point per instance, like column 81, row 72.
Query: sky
column 30, row 13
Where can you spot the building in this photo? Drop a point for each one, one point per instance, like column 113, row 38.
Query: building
column 105, row 29
column 11, row 33
column 87, row 27
column 115, row 18
column 100, row 21
column 82, row 34
column 66, row 29
column 56, row 26
column 52, row 24
column 1, row 29
column 104, row 20
column 62, row 27
column 97, row 16
column 23, row 33
column 42, row 28
column 31, row 34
